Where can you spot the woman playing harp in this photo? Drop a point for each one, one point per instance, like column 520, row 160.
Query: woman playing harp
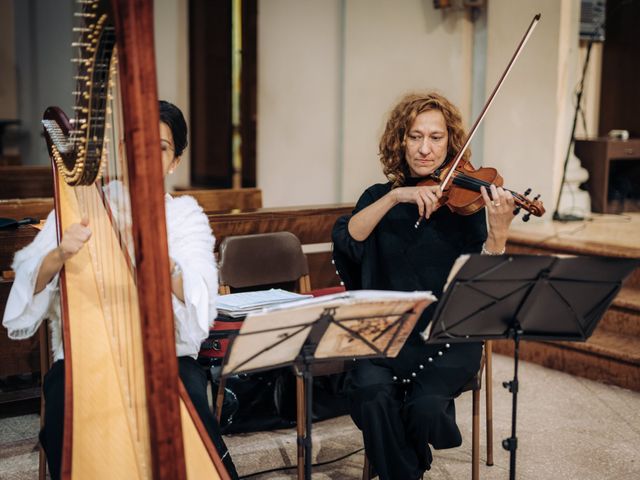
column 194, row 284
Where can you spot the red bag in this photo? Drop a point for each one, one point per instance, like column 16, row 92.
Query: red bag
column 214, row 348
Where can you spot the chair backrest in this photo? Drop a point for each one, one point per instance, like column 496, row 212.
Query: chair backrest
column 262, row 260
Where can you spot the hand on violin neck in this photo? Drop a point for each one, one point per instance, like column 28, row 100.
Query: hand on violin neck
column 425, row 197
column 500, row 205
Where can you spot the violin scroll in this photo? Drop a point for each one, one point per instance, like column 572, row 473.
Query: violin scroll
column 533, row 207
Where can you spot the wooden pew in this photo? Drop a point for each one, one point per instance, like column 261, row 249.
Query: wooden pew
column 19, row 208
column 26, row 181
column 225, row 200
column 312, row 224
column 22, row 356
column 218, row 200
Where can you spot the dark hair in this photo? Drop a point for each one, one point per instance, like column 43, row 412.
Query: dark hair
column 172, row 116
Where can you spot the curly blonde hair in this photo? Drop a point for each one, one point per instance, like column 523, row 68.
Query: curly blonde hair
column 393, row 140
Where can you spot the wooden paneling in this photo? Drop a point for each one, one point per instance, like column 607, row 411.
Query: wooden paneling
column 221, row 200
column 16, row 356
column 25, row 182
column 12, row 240
column 19, row 208
column 224, row 200
column 312, row 224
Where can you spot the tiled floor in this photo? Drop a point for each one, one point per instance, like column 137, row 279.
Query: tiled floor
column 568, row 428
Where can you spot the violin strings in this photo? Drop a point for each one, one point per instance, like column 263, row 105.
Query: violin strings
column 474, row 184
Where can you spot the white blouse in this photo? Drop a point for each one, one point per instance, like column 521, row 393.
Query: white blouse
column 191, row 245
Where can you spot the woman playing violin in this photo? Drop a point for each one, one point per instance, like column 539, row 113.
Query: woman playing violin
column 404, row 405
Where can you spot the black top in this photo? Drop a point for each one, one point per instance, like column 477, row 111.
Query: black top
column 397, row 256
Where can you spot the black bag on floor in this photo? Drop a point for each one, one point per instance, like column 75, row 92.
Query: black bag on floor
column 267, row 400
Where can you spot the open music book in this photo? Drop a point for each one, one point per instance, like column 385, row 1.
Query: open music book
column 358, row 323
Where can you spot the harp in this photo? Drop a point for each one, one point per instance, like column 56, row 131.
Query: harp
column 127, row 415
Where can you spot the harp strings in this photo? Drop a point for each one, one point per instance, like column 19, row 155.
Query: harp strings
column 107, row 205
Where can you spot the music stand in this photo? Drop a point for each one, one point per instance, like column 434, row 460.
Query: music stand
column 349, row 325
column 526, row 297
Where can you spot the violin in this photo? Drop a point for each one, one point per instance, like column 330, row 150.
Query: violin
column 460, row 182
column 463, row 195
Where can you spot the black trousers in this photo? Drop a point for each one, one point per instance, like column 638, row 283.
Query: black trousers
column 400, row 413
column 193, row 377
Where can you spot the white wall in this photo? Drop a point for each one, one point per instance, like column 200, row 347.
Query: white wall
column 328, row 74
column 171, row 36
column 527, row 130
column 393, row 48
column 325, row 87
column 299, row 81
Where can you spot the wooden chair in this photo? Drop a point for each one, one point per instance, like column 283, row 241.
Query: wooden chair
column 474, row 385
column 254, row 262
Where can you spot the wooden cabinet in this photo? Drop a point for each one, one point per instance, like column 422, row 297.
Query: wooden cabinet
column 614, row 173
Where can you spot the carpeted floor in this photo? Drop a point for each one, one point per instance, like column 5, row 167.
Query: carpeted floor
column 568, row 428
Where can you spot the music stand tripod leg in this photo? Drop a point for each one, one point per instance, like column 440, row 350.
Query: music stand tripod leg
column 304, row 361
column 511, row 443
column 303, row 365
column 308, row 399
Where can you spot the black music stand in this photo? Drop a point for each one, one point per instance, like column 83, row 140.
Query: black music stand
column 344, row 326
column 526, row 297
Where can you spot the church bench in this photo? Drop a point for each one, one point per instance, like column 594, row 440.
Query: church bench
column 212, row 200
column 25, row 181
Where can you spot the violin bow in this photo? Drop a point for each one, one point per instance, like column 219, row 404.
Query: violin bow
column 497, row 88
column 485, row 109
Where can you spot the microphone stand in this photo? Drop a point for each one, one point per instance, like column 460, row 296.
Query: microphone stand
column 556, row 215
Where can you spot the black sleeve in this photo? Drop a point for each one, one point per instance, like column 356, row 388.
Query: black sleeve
column 343, row 242
column 347, row 251
column 476, row 232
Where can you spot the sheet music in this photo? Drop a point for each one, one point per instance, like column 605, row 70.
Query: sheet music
column 240, row 304
column 276, row 335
